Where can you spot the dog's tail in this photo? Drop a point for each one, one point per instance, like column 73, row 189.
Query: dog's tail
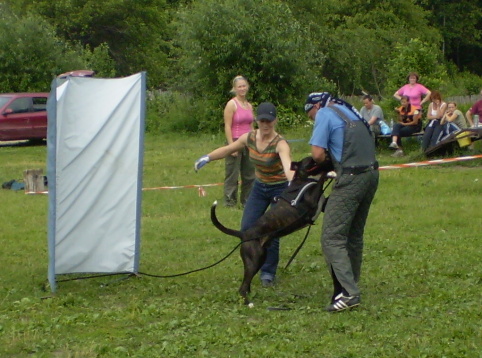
column 220, row 226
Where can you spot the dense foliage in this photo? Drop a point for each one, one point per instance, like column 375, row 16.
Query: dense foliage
column 217, row 40
column 28, row 62
column 359, row 38
column 191, row 49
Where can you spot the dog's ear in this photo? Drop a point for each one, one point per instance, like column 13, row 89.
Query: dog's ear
column 294, row 166
column 308, row 164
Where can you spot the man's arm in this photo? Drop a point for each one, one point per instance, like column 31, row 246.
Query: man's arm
column 318, row 154
column 373, row 120
column 377, row 115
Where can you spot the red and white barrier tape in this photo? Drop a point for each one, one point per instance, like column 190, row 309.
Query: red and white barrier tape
column 203, row 193
column 430, row 162
column 182, row 186
column 201, row 190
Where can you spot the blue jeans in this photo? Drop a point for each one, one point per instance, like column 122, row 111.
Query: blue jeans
column 431, row 134
column 259, row 200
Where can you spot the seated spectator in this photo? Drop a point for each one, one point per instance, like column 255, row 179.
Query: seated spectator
column 436, row 110
column 408, row 123
column 372, row 113
column 452, row 121
column 454, row 116
column 476, row 109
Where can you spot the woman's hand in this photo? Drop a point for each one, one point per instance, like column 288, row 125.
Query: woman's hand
column 201, row 162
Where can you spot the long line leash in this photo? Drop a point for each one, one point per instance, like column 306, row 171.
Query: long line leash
column 298, row 248
column 158, row 276
column 130, row 274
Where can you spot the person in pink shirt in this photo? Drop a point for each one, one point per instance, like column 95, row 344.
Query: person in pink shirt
column 238, row 119
column 414, row 91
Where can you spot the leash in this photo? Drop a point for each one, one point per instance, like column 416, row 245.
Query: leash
column 199, row 269
column 298, row 248
column 152, row 275
column 130, row 274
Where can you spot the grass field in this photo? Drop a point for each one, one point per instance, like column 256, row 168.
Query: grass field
column 421, row 281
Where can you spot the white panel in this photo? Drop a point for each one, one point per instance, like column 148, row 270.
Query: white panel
column 97, row 181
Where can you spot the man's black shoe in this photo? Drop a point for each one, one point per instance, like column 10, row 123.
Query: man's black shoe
column 342, row 303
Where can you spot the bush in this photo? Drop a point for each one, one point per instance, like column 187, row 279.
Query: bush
column 471, row 82
column 32, row 55
column 217, row 40
column 176, row 112
column 416, row 56
column 289, row 119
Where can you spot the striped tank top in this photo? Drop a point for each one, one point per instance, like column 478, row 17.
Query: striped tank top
column 268, row 166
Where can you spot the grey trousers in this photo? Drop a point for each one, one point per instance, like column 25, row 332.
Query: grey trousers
column 234, row 168
column 344, row 221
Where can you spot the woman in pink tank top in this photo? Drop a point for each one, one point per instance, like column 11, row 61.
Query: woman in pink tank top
column 238, row 119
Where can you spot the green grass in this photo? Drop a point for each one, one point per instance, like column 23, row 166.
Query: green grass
column 421, row 280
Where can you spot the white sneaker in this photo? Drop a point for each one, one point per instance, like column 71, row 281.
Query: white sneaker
column 393, row 145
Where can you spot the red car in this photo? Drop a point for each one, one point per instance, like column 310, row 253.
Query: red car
column 23, row 116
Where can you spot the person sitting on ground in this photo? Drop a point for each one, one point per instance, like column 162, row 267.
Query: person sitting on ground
column 373, row 114
column 436, row 110
column 476, row 109
column 408, row 123
column 414, row 91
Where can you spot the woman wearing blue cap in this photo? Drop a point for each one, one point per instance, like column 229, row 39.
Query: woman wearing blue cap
column 271, row 156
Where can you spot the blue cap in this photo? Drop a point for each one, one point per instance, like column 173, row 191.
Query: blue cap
column 266, row 110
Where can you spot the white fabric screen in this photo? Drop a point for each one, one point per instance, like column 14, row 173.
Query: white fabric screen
column 95, row 153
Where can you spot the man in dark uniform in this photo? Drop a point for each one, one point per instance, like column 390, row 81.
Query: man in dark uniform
column 341, row 135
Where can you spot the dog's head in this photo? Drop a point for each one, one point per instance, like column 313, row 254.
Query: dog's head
column 308, row 167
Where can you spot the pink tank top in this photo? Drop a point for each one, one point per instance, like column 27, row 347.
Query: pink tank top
column 242, row 120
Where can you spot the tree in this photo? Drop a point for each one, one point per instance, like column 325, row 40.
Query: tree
column 420, row 57
column 460, row 23
column 260, row 39
column 31, row 54
column 134, row 32
column 359, row 37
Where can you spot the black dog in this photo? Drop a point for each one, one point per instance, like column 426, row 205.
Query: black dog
column 295, row 209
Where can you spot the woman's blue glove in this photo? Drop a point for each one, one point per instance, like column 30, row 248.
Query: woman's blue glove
column 201, row 162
